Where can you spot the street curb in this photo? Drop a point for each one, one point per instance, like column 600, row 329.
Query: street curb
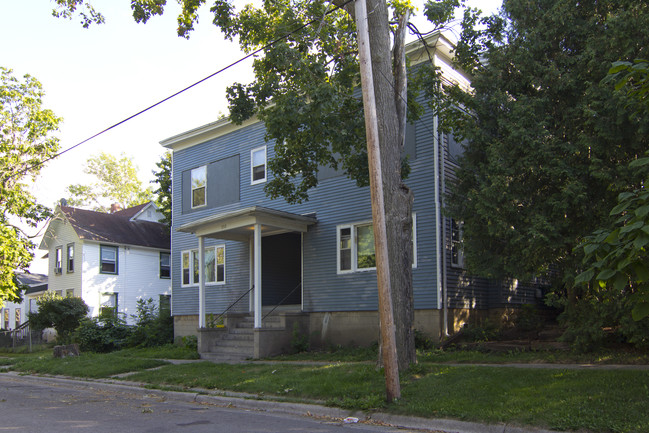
column 252, row 402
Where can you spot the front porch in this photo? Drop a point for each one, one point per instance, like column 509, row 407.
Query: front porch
column 274, row 302
column 238, row 339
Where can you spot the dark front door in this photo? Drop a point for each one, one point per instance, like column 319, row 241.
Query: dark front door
column 281, row 269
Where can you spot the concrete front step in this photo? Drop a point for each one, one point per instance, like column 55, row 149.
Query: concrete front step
column 225, row 358
column 239, row 337
column 243, row 344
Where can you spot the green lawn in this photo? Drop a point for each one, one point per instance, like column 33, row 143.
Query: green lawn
column 562, row 399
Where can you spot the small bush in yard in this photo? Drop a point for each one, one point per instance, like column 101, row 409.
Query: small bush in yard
column 153, row 327
column 102, row 334
column 62, row 314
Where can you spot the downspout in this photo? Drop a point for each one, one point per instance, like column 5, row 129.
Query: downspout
column 444, row 248
column 438, row 256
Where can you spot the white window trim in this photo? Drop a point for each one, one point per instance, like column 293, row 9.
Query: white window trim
column 252, row 152
column 191, row 188
column 191, row 264
column 354, row 250
column 67, row 258
column 58, row 260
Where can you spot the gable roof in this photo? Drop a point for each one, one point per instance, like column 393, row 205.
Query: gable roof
column 35, row 283
column 117, row 227
column 131, row 211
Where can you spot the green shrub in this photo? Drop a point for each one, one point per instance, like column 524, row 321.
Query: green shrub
column 484, row 331
column 299, row 341
column 593, row 322
column 188, row 341
column 422, row 341
column 152, row 328
column 62, row 314
column 102, row 334
column 528, row 318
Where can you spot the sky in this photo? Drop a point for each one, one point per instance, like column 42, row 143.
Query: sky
column 96, row 77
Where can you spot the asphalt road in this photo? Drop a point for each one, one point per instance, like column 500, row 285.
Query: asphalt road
column 32, row 406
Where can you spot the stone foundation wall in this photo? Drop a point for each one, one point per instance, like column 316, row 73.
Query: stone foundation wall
column 185, row 325
column 361, row 328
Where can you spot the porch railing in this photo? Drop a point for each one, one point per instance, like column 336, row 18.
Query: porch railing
column 220, row 316
column 282, row 301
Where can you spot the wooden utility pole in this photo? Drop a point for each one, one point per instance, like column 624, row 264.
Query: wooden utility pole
column 386, row 317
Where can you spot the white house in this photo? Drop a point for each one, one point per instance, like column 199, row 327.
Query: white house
column 14, row 314
column 110, row 260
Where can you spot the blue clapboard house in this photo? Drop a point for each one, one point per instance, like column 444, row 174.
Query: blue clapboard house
column 272, row 270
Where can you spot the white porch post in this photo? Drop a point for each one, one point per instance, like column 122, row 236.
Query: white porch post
column 257, row 253
column 201, row 282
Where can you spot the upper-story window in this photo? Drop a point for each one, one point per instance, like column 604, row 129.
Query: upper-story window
column 457, row 253
column 356, row 247
column 58, row 259
column 199, row 186
column 258, row 165
column 108, row 259
column 70, row 256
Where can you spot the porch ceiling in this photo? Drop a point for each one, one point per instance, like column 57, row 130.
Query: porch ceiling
column 238, row 225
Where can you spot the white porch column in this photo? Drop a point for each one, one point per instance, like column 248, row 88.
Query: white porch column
column 201, row 282
column 257, row 253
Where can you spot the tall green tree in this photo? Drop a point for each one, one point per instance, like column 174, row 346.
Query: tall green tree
column 117, row 182
column 616, row 256
column 26, row 142
column 163, row 192
column 548, row 141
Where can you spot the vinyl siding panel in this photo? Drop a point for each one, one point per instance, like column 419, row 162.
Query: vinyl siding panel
column 64, row 234
column 138, row 278
column 335, row 201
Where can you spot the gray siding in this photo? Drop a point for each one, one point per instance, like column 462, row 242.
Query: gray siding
column 335, row 201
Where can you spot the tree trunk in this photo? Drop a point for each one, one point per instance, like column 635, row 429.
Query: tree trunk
column 398, row 197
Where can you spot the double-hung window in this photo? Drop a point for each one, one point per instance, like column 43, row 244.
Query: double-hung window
column 258, row 165
column 108, row 259
column 70, row 256
column 165, row 265
column 199, row 186
column 58, row 259
column 214, row 266
column 356, row 247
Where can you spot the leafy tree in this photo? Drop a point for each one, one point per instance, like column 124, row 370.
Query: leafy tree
column 164, row 191
column 548, row 142
column 617, row 254
column 62, row 314
column 117, row 182
column 26, row 142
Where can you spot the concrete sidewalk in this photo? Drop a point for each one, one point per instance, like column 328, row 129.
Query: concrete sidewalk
column 253, row 402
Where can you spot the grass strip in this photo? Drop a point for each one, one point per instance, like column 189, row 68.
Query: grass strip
column 88, row 365
column 596, row 401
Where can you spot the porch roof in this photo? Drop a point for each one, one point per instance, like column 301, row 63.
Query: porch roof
column 238, row 225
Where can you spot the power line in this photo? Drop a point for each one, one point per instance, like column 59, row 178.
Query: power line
column 269, row 45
